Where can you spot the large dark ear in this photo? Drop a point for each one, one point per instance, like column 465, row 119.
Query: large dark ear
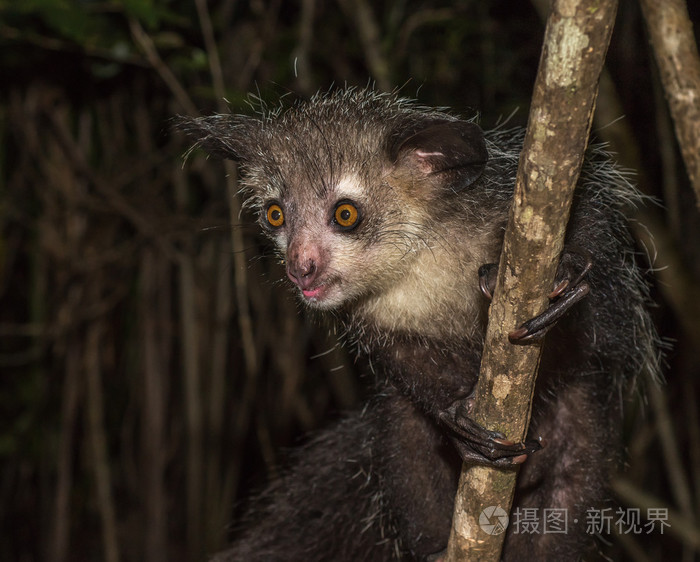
column 226, row 136
column 454, row 150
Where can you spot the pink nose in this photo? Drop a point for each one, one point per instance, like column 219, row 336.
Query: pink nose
column 302, row 273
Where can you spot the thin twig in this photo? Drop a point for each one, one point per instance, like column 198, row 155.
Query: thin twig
column 146, row 43
column 112, row 196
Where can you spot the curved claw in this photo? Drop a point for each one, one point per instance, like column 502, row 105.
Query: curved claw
column 558, row 290
column 570, row 273
column 569, row 288
column 487, row 279
column 479, row 445
column 537, row 327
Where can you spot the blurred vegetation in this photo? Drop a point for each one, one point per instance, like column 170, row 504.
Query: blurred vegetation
column 150, row 366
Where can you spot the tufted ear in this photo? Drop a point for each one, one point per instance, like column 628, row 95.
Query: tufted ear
column 455, row 151
column 225, row 136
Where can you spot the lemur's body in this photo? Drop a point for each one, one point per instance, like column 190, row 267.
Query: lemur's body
column 384, row 213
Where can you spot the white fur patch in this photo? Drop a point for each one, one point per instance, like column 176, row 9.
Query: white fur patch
column 350, row 187
column 435, row 296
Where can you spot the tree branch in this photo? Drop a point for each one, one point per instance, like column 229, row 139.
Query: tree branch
column 576, row 40
column 676, row 54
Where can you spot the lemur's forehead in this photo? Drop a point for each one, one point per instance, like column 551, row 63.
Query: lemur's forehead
column 350, row 186
column 311, row 182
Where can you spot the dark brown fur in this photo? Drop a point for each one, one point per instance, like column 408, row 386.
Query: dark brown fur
column 380, row 484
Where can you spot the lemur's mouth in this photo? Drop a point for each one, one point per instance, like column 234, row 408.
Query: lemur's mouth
column 323, row 295
column 313, row 294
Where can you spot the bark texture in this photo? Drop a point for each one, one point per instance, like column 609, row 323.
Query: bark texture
column 676, row 55
column 576, row 40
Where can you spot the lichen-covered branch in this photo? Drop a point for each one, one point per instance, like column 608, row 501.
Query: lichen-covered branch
column 676, row 54
column 576, row 40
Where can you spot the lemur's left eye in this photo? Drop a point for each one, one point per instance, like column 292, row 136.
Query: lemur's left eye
column 346, row 215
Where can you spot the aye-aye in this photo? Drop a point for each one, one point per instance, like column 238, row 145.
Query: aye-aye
column 384, row 213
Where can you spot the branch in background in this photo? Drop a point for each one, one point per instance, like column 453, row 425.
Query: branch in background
column 98, row 441
column 192, row 379
column 576, row 40
column 142, row 39
column 680, row 488
column 417, row 20
column 239, row 256
column 58, row 547
column 240, row 279
column 115, row 199
column 268, row 14
column 302, row 56
column 49, row 43
column 370, row 39
column 676, row 54
column 217, row 74
column 678, row 525
column 676, row 282
column 154, row 296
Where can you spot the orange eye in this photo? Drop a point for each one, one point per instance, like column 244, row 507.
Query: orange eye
column 275, row 216
column 346, row 215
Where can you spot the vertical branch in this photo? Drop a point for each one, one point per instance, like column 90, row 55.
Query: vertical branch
column 370, row 40
column 302, row 51
column 677, row 57
column 245, row 321
column 60, row 532
column 680, row 488
column 192, row 383
column 576, row 40
column 215, row 69
column 153, row 443
column 218, row 498
column 239, row 258
column 98, row 441
column 692, row 414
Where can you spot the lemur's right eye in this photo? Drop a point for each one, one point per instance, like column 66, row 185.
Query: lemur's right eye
column 275, row 215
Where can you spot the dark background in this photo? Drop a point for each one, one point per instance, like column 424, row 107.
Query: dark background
column 151, row 366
